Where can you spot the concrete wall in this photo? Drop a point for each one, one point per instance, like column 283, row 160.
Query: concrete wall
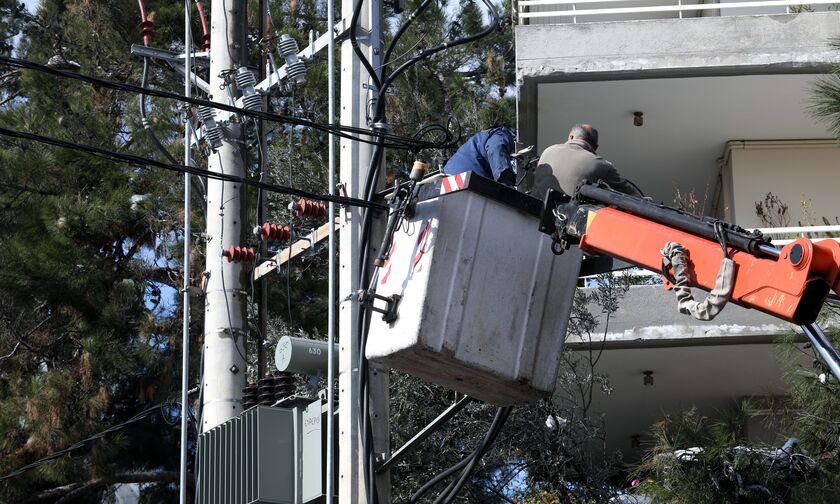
column 710, row 45
column 796, row 171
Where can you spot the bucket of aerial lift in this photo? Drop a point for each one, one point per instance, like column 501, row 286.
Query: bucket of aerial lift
column 483, row 302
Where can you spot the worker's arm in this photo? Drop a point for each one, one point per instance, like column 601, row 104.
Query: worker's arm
column 617, row 182
column 498, row 148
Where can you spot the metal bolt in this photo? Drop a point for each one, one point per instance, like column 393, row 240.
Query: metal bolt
column 234, row 369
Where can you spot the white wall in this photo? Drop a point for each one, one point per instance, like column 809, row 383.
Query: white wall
column 804, row 174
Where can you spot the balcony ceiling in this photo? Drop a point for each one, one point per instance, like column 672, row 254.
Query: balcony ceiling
column 687, row 122
column 708, row 377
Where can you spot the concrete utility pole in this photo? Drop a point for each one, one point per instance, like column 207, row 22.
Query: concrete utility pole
column 354, row 158
column 224, row 317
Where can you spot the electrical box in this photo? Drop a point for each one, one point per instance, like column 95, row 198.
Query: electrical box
column 267, row 455
column 481, row 302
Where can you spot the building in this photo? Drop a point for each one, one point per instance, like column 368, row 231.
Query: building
column 708, row 102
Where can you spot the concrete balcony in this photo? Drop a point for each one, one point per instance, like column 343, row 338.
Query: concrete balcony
column 707, row 365
column 728, row 45
column 647, row 317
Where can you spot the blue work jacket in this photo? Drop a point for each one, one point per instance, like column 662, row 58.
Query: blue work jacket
column 486, row 153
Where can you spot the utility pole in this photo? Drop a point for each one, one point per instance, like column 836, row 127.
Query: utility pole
column 224, row 316
column 356, row 93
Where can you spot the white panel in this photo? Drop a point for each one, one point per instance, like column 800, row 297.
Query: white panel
column 484, row 301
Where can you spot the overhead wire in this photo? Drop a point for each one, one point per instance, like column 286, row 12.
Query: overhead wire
column 133, row 159
column 343, row 131
column 79, row 444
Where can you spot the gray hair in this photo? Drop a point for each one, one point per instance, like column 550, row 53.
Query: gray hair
column 586, row 133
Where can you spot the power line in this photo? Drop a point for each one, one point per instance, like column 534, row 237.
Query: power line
column 131, row 158
column 79, row 444
column 375, row 137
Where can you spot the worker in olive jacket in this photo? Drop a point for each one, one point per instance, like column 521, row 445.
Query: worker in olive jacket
column 564, row 166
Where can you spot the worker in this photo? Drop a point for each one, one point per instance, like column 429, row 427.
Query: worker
column 564, row 166
column 488, row 154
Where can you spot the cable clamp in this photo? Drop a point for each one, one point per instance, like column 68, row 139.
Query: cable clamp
column 389, row 313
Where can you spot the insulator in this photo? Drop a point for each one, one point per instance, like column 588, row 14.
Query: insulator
column 288, row 47
column 418, row 170
column 309, row 208
column 284, row 385
column 275, row 232
column 240, row 254
column 146, row 31
column 250, row 396
column 295, row 69
column 245, row 81
column 296, row 72
column 212, row 131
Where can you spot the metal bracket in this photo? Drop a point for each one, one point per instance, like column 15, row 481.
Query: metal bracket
column 389, row 313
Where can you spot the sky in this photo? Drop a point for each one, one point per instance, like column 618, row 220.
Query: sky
column 31, row 5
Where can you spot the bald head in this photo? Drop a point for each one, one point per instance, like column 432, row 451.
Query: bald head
column 586, row 133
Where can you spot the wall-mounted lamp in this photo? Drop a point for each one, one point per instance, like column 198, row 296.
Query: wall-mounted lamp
column 648, row 381
column 638, row 119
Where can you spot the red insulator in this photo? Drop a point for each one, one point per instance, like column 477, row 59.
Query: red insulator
column 310, row 208
column 146, row 24
column 205, row 38
column 146, row 31
column 240, row 254
column 275, row 232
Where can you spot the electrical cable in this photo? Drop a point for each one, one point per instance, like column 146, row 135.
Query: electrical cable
column 369, row 187
column 233, row 335
column 402, row 29
column 454, row 488
column 343, row 131
column 197, row 184
column 79, row 444
column 132, row 159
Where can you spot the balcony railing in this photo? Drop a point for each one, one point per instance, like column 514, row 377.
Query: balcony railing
column 587, row 11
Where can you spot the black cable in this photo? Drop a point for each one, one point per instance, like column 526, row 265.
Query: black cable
column 401, row 30
column 438, row 478
column 145, row 120
column 454, row 488
column 354, row 43
column 369, row 188
column 342, row 131
column 79, row 444
column 197, row 183
column 130, row 158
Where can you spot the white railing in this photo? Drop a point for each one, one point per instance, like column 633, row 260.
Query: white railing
column 816, row 233
column 569, row 10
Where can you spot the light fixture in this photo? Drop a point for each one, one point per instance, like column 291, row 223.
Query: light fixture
column 638, row 118
column 648, row 381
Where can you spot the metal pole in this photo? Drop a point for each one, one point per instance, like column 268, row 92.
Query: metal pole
column 354, row 160
column 263, row 292
column 823, row 347
column 331, row 298
column 185, row 344
column 424, row 433
column 224, row 322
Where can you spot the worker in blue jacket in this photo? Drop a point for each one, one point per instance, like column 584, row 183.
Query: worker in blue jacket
column 488, row 154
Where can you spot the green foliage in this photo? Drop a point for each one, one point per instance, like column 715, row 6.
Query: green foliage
column 85, row 333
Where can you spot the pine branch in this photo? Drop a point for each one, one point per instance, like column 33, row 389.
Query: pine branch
column 68, row 493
